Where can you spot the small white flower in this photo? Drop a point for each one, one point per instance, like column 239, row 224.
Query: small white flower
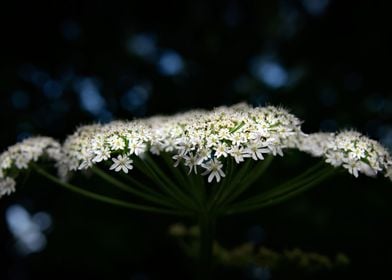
column 85, row 164
column 7, row 186
column 98, row 142
column 350, row 149
column 259, row 135
column 275, row 150
column 255, row 151
column 178, row 158
column 169, row 145
column 316, row 144
column 87, row 160
column 212, row 140
column 221, row 150
column 204, row 153
column 238, row 153
column 122, row 163
column 116, row 143
column 214, row 168
column 22, row 154
column 101, row 154
column 184, row 146
column 366, row 169
column 192, row 161
column 136, row 147
column 224, row 133
column 21, row 161
column 353, row 168
column 156, row 148
column 5, row 160
column 237, row 138
column 335, row 159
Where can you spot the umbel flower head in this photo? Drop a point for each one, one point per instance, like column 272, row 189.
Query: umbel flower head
column 202, row 164
column 351, row 150
column 200, row 140
column 205, row 143
column 19, row 156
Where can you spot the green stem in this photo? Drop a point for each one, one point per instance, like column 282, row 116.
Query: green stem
column 103, row 198
column 197, row 188
column 187, row 182
column 207, row 234
column 175, row 189
column 246, row 181
column 230, row 188
column 156, row 198
column 175, row 170
column 287, row 186
column 279, row 197
column 149, row 172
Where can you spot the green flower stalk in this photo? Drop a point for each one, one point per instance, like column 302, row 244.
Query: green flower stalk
column 199, row 164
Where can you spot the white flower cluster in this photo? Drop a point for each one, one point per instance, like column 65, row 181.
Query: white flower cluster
column 202, row 141
column 197, row 139
column 351, row 150
column 20, row 155
column 315, row 144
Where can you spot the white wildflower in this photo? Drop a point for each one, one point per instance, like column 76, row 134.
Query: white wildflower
column 349, row 149
column 197, row 138
column 116, row 143
column 85, row 164
column 335, row 159
column 352, row 167
column 190, row 138
column 214, row 168
column 136, row 147
column 221, row 150
column 316, row 143
column 122, row 163
column 101, row 154
column 237, row 138
column 192, row 161
column 22, row 154
column 7, row 186
column 178, row 158
column 238, row 153
column 204, row 153
column 255, row 151
column 276, row 150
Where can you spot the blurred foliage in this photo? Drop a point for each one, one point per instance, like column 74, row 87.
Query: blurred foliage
column 295, row 262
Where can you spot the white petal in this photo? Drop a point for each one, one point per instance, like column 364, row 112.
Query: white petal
column 211, row 177
column 114, row 166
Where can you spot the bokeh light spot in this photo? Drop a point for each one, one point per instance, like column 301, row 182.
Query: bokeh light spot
column 27, row 231
column 134, row 100
column 91, row 99
column 170, row 63
column 143, row 45
column 270, row 72
column 315, row 7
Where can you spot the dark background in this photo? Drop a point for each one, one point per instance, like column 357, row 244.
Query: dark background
column 65, row 63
